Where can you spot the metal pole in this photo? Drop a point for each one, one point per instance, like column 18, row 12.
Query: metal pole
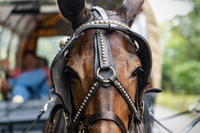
column 191, row 125
column 14, row 29
column 3, row 27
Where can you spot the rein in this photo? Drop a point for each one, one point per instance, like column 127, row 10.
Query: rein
column 105, row 72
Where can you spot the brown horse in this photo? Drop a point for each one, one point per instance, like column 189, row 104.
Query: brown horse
column 101, row 72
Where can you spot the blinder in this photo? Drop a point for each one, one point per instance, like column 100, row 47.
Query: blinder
column 61, row 81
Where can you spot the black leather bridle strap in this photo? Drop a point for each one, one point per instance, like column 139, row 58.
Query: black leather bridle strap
column 131, row 123
column 53, row 112
column 96, row 84
column 105, row 115
column 147, row 118
column 126, row 96
column 101, row 11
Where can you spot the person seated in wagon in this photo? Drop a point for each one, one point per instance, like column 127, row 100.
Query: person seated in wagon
column 30, row 82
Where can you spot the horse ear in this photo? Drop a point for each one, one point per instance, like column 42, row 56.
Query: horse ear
column 75, row 11
column 128, row 10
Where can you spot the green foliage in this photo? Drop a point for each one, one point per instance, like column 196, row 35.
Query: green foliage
column 181, row 57
column 176, row 102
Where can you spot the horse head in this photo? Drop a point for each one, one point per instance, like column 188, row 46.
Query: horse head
column 101, row 72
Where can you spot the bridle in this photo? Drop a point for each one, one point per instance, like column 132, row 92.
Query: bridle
column 105, row 73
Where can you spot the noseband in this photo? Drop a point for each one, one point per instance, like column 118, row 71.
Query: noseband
column 105, row 73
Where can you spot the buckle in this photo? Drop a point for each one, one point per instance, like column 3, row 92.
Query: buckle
column 66, row 118
column 142, row 109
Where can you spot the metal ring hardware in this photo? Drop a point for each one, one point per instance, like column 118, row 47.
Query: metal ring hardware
column 105, row 80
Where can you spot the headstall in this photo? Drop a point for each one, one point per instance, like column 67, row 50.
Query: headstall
column 104, row 69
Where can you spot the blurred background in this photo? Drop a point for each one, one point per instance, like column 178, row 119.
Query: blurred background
column 36, row 25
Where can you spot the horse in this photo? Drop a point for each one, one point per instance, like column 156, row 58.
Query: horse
column 101, row 72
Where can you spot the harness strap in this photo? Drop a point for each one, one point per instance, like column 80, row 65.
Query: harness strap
column 126, row 96
column 147, row 118
column 105, row 115
column 191, row 125
column 50, row 122
column 101, row 11
column 53, row 112
column 130, row 127
column 96, row 84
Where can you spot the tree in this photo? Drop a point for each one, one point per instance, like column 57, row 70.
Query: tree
column 181, row 57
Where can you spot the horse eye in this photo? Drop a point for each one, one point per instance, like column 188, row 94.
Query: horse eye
column 135, row 72
column 73, row 74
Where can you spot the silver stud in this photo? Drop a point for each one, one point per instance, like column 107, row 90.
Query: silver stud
column 77, row 115
column 101, row 38
column 119, row 24
column 96, row 22
column 101, row 21
column 118, row 84
column 103, row 53
column 102, row 44
column 120, row 87
column 123, row 89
